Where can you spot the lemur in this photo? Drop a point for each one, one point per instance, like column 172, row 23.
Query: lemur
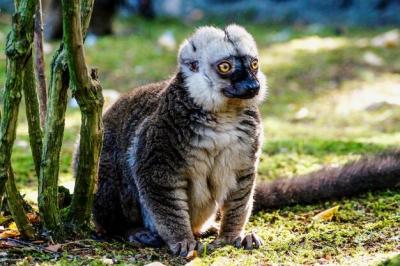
column 177, row 152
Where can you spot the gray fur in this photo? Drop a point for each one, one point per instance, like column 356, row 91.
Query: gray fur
column 171, row 158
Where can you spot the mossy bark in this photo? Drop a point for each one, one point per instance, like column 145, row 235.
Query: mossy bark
column 32, row 114
column 54, row 129
column 52, row 142
column 39, row 62
column 46, row 151
column 16, row 205
column 19, row 53
column 87, row 91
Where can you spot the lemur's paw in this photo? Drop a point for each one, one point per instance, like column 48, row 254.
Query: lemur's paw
column 248, row 242
column 211, row 231
column 185, row 247
column 144, row 237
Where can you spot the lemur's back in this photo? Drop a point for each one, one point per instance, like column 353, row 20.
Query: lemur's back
column 120, row 121
column 130, row 110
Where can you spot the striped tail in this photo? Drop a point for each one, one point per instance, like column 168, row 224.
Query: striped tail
column 370, row 173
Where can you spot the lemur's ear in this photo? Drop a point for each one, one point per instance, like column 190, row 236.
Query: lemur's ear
column 192, row 65
column 188, row 57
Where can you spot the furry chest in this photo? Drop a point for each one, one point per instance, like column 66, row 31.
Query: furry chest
column 214, row 163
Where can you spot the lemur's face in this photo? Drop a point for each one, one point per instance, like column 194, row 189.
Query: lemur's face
column 239, row 76
column 220, row 65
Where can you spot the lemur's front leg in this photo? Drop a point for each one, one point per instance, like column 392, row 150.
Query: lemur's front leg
column 235, row 214
column 166, row 211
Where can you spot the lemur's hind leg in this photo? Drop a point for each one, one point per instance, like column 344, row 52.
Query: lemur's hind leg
column 145, row 237
column 107, row 211
column 108, row 207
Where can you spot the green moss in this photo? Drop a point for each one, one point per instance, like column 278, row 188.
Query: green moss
column 395, row 261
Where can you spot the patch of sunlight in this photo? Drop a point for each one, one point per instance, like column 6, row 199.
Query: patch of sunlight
column 284, row 53
column 73, row 116
column 383, row 139
column 315, row 44
column 22, row 129
column 278, row 128
column 31, row 193
column 68, row 181
column 357, row 107
column 366, row 94
column 362, row 258
column 242, row 260
column 72, row 119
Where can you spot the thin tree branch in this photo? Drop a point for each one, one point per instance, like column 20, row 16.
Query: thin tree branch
column 86, row 15
column 40, row 64
column 87, row 91
column 32, row 114
column 52, row 142
column 16, row 205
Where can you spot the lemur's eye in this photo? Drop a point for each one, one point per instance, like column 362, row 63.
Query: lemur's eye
column 254, row 64
column 224, row 67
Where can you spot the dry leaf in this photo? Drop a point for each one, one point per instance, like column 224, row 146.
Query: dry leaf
column 326, row 215
column 13, row 226
column 37, row 242
column 8, row 244
column 4, row 219
column 191, row 255
column 33, row 217
column 54, row 248
column 9, row 233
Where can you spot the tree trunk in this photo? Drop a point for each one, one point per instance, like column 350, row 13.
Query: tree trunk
column 68, row 65
column 87, row 91
column 146, row 9
column 19, row 53
column 32, row 114
column 16, row 205
column 52, row 142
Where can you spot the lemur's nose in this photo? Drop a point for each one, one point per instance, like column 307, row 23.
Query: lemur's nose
column 252, row 85
column 247, row 89
column 248, row 85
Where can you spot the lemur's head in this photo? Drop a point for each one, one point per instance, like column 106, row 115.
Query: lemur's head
column 221, row 65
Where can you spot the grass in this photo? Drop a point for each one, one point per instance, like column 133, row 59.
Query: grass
column 325, row 107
